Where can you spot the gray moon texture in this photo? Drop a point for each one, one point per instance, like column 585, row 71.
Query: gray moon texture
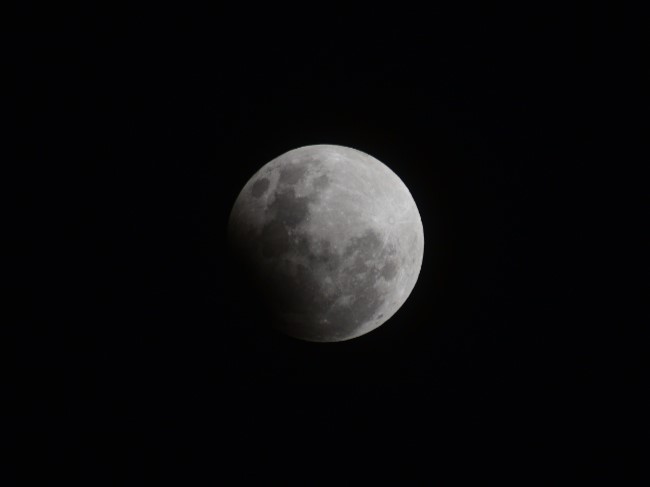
column 332, row 237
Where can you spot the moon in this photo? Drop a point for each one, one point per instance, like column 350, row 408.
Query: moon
column 332, row 237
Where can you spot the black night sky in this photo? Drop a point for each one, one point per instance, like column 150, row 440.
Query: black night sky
column 140, row 355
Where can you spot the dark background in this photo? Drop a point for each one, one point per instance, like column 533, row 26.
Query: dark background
column 140, row 354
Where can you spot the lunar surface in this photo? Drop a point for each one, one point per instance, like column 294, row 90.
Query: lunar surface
column 332, row 237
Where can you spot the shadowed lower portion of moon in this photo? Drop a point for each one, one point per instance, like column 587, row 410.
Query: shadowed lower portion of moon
column 332, row 238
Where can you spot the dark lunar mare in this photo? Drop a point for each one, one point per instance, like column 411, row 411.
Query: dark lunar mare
column 259, row 187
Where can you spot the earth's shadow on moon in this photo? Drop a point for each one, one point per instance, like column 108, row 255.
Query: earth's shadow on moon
column 263, row 352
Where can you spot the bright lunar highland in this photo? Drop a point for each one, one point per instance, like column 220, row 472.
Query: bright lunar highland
column 333, row 239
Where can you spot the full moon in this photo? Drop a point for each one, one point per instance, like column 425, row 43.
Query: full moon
column 333, row 239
